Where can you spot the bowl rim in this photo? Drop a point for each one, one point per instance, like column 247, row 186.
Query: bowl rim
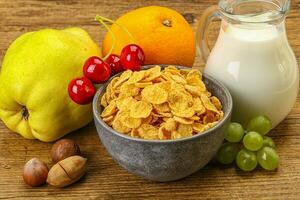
column 227, row 115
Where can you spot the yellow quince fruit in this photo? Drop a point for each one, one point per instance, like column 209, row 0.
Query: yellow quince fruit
column 34, row 78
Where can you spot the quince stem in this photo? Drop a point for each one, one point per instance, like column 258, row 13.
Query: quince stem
column 102, row 20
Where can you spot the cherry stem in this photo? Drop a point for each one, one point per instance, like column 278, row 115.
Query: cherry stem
column 122, row 27
column 100, row 20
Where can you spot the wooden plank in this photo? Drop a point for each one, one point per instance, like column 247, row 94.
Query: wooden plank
column 105, row 179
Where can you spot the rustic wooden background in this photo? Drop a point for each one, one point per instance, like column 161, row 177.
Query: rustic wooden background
column 105, row 179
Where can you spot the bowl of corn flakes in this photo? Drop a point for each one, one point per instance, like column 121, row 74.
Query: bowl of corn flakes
column 164, row 122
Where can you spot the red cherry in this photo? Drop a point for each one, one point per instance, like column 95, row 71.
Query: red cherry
column 132, row 57
column 96, row 70
column 81, row 90
column 115, row 64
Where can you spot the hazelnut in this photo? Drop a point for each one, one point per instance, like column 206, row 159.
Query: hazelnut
column 63, row 149
column 67, row 171
column 35, row 172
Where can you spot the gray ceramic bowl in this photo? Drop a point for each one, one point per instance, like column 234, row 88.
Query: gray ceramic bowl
column 165, row 160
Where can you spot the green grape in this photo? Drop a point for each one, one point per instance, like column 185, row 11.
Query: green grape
column 227, row 153
column 268, row 158
column 234, row 132
column 260, row 124
column 246, row 160
column 253, row 141
column 268, row 142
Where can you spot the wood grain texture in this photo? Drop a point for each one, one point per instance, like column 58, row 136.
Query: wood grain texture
column 105, row 179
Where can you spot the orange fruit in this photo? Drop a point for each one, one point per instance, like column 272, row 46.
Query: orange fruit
column 163, row 33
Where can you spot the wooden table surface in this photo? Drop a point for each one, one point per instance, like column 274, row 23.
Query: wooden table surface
column 106, row 179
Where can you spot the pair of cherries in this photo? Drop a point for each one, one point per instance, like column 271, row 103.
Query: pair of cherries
column 96, row 71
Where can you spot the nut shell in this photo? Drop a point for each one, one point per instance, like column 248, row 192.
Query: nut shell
column 35, row 172
column 67, row 171
column 63, row 149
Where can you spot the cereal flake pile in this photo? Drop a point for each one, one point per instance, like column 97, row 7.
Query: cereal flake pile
column 160, row 104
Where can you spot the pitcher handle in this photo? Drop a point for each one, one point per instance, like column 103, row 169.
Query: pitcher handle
column 208, row 15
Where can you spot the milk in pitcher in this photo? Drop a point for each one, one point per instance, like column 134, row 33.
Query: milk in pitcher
column 254, row 62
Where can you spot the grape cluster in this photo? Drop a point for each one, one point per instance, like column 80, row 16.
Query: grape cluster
column 249, row 147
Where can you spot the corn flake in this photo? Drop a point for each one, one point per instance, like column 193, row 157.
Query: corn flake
column 125, row 103
column 170, row 124
column 124, row 77
column 143, row 84
column 162, row 108
column 214, row 100
column 119, row 126
column 152, row 73
column 198, row 127
column 185, row 130
column 198, row 106
column 193, row 90
column 163, row 133
column 129, row 121
column 183, row 120
column 178, row 79
column 110, row 109
column 108, row 119
column 103, row 100
column 140, row 109
column 127, row 90
column 148, row 131
column 136, row 77
column 154, row 94
column 208, row 104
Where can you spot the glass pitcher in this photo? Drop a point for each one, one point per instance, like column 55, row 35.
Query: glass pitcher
column 252, row 57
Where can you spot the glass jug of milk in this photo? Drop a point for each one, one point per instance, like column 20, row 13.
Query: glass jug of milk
column 252, row 57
